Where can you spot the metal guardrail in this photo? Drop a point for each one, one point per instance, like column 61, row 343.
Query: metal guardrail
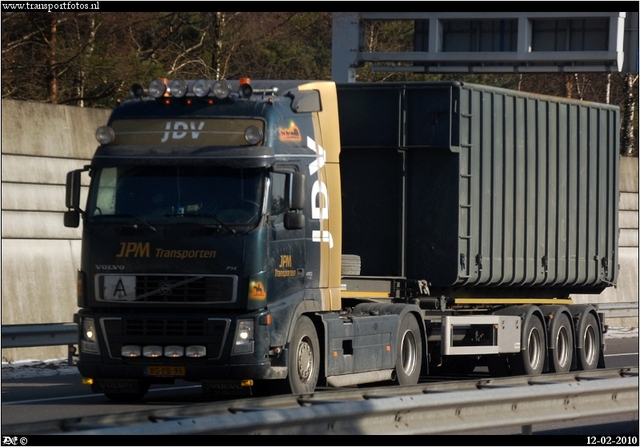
column 619, row 310
column 48, row 334
column 494, row 404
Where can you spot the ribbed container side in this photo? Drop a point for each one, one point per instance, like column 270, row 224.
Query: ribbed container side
column 528, row 199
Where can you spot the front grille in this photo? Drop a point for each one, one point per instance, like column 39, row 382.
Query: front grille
column 181, row 289
column 164, row 327
column 185, row 289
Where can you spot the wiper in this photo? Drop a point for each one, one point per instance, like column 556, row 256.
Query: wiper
column 217, row 219
column 147, row 224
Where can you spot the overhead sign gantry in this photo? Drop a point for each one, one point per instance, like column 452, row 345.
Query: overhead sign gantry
column 492, row 42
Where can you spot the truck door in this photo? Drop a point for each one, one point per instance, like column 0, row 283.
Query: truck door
column 287, row 248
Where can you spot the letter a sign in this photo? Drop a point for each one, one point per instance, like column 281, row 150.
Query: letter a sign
column 119, row 288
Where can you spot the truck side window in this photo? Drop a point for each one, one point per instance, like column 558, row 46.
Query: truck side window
column 278, row 196
column 106, row 198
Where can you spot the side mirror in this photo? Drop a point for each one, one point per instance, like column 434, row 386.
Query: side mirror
column 73, row 190
column 297, row 190
column 72, row 219
column 293, row 220
column 72, row 199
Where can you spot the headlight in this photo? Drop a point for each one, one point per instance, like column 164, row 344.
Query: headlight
column 88, row 329
column 244, row 337
column 89, row 338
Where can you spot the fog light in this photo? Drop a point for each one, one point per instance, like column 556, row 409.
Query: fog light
column 131, row 351
column 152, row 351
column 196, row 351
column 173, row 351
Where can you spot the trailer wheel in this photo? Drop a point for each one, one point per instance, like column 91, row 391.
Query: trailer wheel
column 589, row 334
column 304, row 357
column 409, row 352
column 530, row 360
column 561, row 345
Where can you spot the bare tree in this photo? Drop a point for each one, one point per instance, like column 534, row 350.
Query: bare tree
column 629, row 142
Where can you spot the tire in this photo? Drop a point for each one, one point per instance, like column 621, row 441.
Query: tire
column 304, row 357
column 530, row 360
column 561, row 345
column 409, row 351
column 589, row 335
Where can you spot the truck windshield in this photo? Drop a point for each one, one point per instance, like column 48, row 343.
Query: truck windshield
column 167, row 193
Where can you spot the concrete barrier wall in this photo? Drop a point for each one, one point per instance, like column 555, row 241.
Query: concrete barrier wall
column 40, row 256
column 626, row 290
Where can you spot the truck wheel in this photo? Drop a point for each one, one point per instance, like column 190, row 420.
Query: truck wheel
column 304, row 357
column 530, row 360
column 561, row 345
column 409, row 352
column 589, row 334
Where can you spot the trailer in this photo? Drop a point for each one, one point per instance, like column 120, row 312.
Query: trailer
column 273, row 236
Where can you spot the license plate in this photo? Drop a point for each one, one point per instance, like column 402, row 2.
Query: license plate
column 166, row 371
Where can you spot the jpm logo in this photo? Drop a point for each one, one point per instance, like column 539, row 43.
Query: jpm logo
column 319, row 194
column 133, row 249
column 177, row 130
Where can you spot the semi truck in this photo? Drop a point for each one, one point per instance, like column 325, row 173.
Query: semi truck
column 266, row 237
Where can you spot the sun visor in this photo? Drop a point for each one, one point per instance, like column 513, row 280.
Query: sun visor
column 244, row 157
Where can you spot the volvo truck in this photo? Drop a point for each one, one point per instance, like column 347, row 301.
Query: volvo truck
column 276, row 236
